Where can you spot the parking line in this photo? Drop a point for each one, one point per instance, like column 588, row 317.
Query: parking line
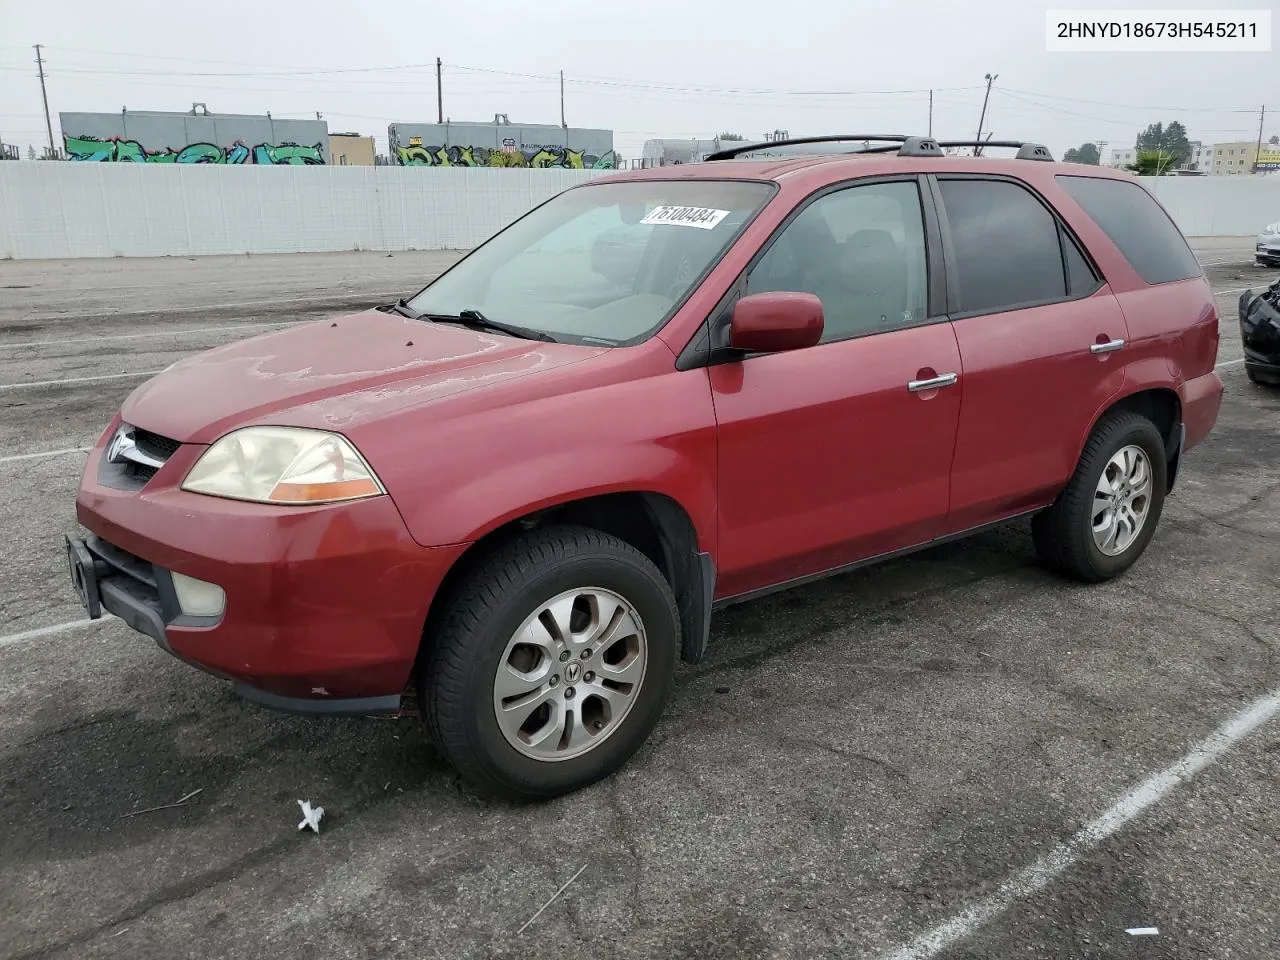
column 47, row 631
column 50, row 383
column 43, row 453
column 1044, row 871
column 153, row 333
column 1228, row 363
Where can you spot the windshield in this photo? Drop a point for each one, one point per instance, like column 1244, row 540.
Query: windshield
column 604, row 263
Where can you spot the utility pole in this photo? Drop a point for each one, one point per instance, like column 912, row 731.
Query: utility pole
column 931, row 113
column 48, row 124
column 1258, row 152
column 439, row 95
column 990, row 78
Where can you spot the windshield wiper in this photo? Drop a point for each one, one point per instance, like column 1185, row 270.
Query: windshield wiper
column 478, row 321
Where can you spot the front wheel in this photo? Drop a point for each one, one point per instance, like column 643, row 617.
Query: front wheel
column 1107, row 514
column 552, row 664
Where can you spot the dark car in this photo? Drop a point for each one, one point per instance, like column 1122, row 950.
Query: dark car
column 1260, row 334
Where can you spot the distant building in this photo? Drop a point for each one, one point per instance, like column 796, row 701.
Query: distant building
column 1201, row 158
column 500, row 144
column 195, row 137
column 351, row 150
column 667, row 152
column 1123, row 158
column 1238, row 157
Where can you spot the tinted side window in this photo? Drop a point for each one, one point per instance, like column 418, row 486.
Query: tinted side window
column 1080, row 276
column 861, row 251
column 1005, row 243
column 1136, row 224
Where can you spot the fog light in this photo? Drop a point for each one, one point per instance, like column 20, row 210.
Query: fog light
column 198, row 598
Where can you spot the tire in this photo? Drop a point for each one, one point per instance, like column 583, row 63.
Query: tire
column 1064, row 533
column 477, row 644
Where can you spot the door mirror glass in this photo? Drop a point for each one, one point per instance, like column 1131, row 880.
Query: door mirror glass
column 775, row 321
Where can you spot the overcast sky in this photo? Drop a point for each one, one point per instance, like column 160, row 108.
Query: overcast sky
column 643, row 68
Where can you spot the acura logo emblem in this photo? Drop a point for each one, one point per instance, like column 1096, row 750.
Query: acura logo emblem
column 121, row 445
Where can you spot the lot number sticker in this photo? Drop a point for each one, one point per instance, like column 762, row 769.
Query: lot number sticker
column 702, row 217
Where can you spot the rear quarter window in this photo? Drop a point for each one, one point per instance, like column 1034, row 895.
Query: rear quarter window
column 1137, row 225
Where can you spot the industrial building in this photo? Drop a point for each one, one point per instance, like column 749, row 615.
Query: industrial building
column 198, row 136
column 500, row 143
column 351, row 150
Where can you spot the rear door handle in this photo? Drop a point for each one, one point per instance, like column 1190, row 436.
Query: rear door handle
column 933, row 383
column 1111, row 346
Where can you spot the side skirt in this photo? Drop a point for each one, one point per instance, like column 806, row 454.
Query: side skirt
column 868, row 561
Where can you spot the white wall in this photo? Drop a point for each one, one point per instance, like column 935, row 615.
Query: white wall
column 56, row 210
column 1218, row 206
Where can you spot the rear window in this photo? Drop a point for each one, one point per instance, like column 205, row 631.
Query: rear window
column 1137, row 225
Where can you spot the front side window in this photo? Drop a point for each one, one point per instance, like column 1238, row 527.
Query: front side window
column 605, row 263
column 1005, row 244
column 861, row 251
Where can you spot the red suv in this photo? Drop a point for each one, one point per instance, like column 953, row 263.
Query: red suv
column 512, row 502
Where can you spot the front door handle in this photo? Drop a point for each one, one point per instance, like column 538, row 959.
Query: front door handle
column 1111, row 346
column 933, row 383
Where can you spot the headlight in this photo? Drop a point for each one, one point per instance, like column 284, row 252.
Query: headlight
column 283, row 465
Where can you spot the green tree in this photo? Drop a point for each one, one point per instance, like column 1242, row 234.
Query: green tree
column 731, row 136
column 1085, row 153
column 1171, row 139
column 1176, row 143
column 1153, row 163
column 1274, row 141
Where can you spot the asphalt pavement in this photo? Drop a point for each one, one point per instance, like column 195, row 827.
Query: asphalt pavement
column 953, row 755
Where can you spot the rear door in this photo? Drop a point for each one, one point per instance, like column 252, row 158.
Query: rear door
column 1041, row 342
column 842, row 451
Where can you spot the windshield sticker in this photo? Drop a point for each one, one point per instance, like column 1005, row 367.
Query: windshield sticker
column 704, row 218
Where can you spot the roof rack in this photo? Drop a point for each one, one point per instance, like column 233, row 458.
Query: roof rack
column 906, row 145
column 1026, row 151
column 900, row 144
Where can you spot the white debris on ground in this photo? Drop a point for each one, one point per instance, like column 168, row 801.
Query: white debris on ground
column 311, row 816
column 1142, row 931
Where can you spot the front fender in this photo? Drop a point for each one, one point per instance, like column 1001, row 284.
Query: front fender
column 460, row 475
column 467, row 514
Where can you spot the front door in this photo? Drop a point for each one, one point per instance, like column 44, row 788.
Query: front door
column 842, row 451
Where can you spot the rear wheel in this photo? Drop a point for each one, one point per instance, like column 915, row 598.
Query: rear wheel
column 1107, row 514
column 552, row 664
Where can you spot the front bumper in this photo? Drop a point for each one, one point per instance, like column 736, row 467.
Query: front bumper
column 1263, row 371
column 1267, row 253
column 324, row 606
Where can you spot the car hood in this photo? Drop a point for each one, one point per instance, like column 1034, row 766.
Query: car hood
column 318, row 365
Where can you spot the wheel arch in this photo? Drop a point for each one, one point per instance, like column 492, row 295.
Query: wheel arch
column 1159, row 403
column 654, row 523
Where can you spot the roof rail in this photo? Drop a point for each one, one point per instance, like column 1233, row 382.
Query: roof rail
column 1026, row 151
column 902, row 145
column 730, row 152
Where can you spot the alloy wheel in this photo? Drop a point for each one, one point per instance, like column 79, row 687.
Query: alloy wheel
column 1121, row 500
column 570, row 674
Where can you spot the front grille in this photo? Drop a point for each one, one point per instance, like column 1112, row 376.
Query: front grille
column 154, row 445
column 136, row 461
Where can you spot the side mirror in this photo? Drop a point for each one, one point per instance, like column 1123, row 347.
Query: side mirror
column 776, row 321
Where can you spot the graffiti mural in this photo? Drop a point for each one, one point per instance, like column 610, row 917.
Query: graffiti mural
column 565, row 158
column 119, row 150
